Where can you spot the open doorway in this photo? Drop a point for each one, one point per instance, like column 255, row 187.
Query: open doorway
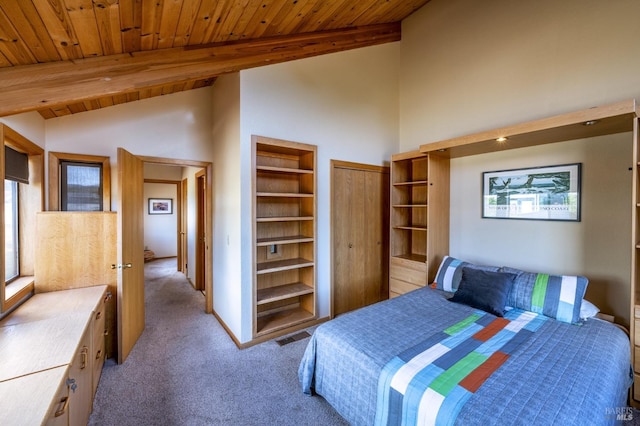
column 131, row 206
column 163, row 213
column 186, row 182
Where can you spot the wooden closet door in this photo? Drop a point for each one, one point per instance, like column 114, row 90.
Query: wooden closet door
column 376, row 244
column 360, row 229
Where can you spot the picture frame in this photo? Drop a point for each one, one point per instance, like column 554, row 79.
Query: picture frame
column 160, row 205
column 536, row 193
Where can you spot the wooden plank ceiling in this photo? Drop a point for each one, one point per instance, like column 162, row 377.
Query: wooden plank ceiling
column 61, row 57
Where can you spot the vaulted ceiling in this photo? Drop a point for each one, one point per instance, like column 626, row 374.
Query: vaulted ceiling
column 61, row 57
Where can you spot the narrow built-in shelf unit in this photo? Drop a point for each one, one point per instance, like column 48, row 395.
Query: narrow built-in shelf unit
column 419, row 219
column 409, row 206
column 284, row 187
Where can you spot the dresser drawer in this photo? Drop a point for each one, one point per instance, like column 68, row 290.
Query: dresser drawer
column 59, row 414
column 98, row 362
column 99, row 324
column 401, row 287
column 409, row 271
column 98, row 354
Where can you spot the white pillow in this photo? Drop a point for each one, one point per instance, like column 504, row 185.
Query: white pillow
column 588, row 309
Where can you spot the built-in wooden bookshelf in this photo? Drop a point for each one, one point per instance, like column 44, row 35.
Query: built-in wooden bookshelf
column 419, row 219
column 284, row 234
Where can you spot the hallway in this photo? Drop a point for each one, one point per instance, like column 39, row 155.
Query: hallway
column 185, row 370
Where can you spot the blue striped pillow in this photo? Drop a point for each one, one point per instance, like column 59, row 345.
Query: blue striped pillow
column 555, row 296
column 450, row 273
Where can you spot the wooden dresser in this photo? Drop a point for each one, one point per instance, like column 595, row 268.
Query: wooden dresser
column 52, row 352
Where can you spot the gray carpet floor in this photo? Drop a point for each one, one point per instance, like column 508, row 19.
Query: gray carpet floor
column 185, row 370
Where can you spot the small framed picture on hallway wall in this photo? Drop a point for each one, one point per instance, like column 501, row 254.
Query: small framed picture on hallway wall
column 160, row 205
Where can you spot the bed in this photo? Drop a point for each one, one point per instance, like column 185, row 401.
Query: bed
column 562, row 374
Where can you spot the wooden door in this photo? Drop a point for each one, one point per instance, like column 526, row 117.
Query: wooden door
column 182, row 237
column 130, row 266
column 201, row 185
column 360, row 235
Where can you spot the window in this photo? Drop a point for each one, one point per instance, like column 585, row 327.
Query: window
column 80, row 186
column 79, row 182
column 23, row 196
column 11, row 240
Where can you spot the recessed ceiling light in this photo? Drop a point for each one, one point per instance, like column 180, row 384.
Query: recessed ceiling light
column 501, row 139
column 591, row 122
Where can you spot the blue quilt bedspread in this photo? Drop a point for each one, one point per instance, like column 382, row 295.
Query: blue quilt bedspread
column 562, row 374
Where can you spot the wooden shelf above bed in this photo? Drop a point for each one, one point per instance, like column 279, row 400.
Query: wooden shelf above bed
column 606, row 120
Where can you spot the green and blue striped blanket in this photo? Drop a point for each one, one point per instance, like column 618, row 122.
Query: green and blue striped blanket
column 429, row 383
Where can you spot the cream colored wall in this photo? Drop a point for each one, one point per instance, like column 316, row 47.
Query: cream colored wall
column 346, row 104
column 597, row 247
column 468, row 66
column 227, row 209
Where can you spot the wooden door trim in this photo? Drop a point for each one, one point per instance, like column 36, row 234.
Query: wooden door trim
column 55, row 158
column 183, row 225
column 208, row 219
column 339, row 164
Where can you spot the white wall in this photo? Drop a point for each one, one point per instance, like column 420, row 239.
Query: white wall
column 345, row 103
column 31, row 125
column 227, row 291
column 468, row 66
column 177, row 126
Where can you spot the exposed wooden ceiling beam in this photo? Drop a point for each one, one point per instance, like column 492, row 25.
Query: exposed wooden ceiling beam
column 32, row 87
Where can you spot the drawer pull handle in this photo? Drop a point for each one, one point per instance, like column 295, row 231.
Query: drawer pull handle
column 99, row 354
column 84, row 354
column 65, row 404
column 106, row 332
column 72, row 384
column 98, row 315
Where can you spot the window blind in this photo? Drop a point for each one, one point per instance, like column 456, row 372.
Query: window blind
column 16, row 165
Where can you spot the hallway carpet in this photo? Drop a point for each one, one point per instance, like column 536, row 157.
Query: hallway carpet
column 185, row 370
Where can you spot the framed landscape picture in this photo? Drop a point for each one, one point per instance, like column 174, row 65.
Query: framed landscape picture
column 160, row 206
column 539, row 193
